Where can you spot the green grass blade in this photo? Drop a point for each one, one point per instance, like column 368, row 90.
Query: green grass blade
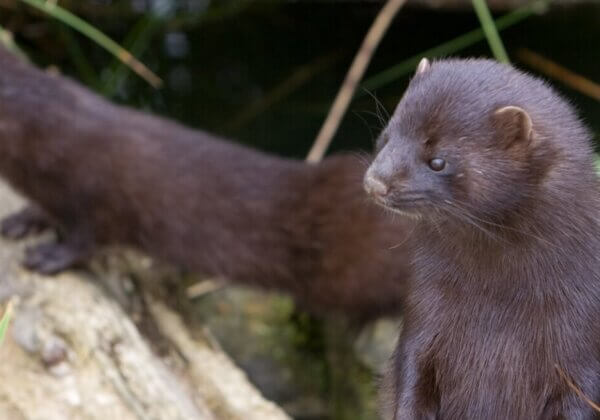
column 97, row 36
column 5, row 321
column 136, row 42
column 491, row 33
column 463, row 41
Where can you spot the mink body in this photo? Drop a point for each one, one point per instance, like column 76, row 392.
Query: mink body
column 500, row 173
column 106, row 174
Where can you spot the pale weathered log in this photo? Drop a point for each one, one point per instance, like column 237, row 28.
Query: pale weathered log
column 73, row 353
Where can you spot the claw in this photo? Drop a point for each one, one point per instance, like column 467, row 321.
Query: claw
column 28, row 221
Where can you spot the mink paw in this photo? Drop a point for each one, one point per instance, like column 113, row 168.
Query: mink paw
column 27, row 221
column 51, row 258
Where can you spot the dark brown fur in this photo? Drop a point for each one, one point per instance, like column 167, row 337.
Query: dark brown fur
column 110, row 175
column 507, row 268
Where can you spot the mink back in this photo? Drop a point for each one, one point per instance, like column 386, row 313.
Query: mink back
column 199, row 201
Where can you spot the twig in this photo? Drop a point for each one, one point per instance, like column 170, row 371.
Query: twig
column 556, row 71
column 204, row 287
column 355, row 74
column 578, row 391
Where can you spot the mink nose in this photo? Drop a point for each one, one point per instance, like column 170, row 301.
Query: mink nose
column 375, row 186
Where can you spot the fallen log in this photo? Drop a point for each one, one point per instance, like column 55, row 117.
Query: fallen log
column 73, row 353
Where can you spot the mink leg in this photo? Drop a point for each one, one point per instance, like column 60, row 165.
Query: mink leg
column 415, row 382
column 27, row 221
column 55, row 256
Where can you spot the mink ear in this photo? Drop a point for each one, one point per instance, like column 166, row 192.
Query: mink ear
column 514, row 125
column 423, row 66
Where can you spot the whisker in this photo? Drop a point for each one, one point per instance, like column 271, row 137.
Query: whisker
column 366, row 123
column 465, row 216
column 406, row 238
column 499, row 226
column 363, row 158
column 379, row 106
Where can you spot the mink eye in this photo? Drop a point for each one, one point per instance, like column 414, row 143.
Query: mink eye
column 437, row 164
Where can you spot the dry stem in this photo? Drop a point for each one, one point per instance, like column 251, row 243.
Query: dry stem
column 355, row 74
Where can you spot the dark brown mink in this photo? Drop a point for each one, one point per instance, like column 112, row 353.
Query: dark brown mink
column 500, row 174
column 106, row 174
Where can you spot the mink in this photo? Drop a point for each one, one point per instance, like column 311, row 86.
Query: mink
column 109, row 175
column 504, row 303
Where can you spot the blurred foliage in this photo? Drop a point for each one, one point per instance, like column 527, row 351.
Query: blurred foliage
column 265, row 72
column 54, row 10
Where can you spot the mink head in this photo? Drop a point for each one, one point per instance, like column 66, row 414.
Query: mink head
column 473, row 137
